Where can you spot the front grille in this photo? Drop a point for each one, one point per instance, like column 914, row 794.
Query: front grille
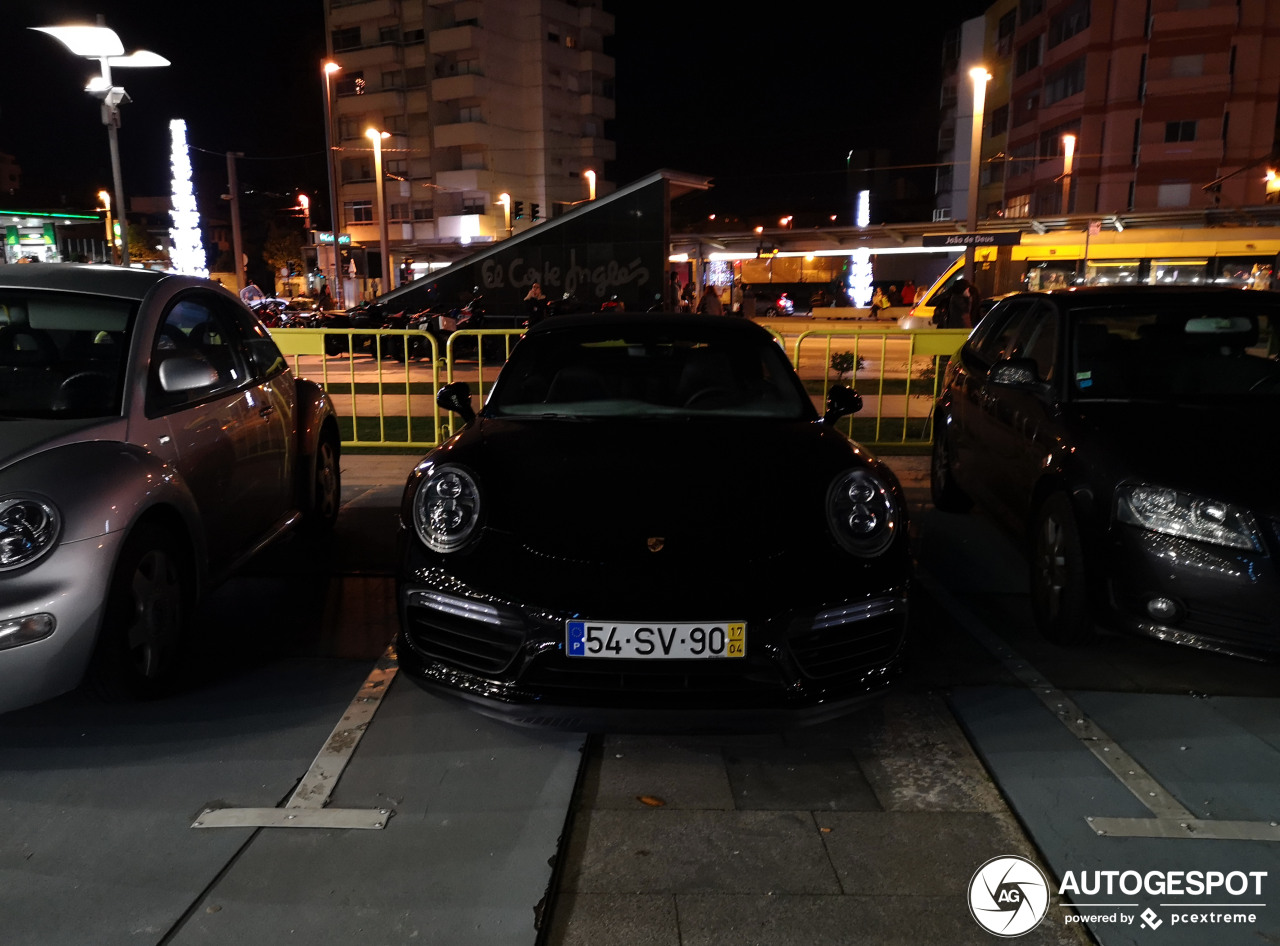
column 477, row 637
column 722, row 676
column 848, row 640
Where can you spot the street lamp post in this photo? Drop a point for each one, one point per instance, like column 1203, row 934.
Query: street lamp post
column 505, row 199
column 376, row 137
column 1068, row 156
column 980, row 78
column 335, row 214
column 102, row 44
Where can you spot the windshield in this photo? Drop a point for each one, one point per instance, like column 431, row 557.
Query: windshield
column 62, row 355
column 1187, row 352
column 647, row 372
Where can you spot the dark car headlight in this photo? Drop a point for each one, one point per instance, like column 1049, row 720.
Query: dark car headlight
column 862, row 512
column 29, row 528
column 1188, row 516
column 446, row 508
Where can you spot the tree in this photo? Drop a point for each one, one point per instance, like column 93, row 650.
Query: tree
column 282, row 249
column 844, row 362
column 145, row 246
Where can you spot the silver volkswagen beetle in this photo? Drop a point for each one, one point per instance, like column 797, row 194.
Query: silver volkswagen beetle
column 152, row 439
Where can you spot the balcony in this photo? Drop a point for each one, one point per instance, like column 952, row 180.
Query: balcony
column 359, row 11
column 459, row 87
column 597, row 105
column 1212, row 18
column 464, row 133
column 596, row 63
column 480, row 227
column 467, row 179
column 1187, row 85
column 370, row 59
column 455, row 39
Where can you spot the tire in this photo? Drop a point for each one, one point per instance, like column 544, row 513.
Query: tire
column 946, row 493
column 324, row 494
column 142, row 647
column 1059, row 588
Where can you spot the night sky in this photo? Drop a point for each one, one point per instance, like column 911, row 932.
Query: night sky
column 767, row 104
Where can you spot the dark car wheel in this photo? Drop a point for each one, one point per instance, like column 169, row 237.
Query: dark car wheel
column 326, row 484
column 946, row 493
column 1059, row 600
column 141, row 648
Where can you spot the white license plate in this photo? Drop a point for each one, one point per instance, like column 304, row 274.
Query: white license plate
column 685, row 640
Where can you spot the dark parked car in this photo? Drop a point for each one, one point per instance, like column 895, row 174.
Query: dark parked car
column 648, row 526
column 154, row 439
column 1130, row 437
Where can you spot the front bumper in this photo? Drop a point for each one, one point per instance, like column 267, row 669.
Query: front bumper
column 803, row 663
column 1192, row 593
column 71, row 584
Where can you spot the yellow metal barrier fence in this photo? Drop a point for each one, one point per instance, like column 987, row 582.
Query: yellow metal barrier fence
column 383, row 382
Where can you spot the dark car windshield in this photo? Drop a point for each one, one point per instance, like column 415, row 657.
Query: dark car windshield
column 1172, row 353
column 61, row 354
column 648, row 372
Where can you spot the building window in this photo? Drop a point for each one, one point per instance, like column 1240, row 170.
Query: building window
column 422, row 211
column 395, row 167
column 1179, row 131
column 1029, row 8
column 398, row 212
column 393, row 80
column 349, row 128
column 553, row 38
column 1019, row 206
column 1068, row 21
column 388, row 34
column 998, row 123
column 470, row 113
column 1028, row 56
column 1004, row 33
column 1187, row 66
column 1065, row 82
column 348, row 38
column 351, row 83
column 1025, row 106
column 1173, row 195
column 414, row 36
column 359, row 211
column 415, row 77
column 946, row 138
column 1022, row 159
column 474, row 204
column 948, row 98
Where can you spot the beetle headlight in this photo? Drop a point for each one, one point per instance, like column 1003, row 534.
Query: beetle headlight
column 29, row 528
column 862, row 512
column 1174, row 512
column 446, row 508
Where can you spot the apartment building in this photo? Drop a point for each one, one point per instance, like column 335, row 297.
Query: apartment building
column 479, row 98
column 1172, row 105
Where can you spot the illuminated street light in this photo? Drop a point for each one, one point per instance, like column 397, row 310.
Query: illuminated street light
column 105, row 197
column 376, row 137
column 335, row 215
column 980, row 78
column 102, row 44
column 505, row 199
column 591, row 183
column 1068, row 156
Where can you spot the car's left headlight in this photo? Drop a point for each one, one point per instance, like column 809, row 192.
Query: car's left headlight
column 446, row 508
column 862, row 512
column 29, row 528
column 1174, row 512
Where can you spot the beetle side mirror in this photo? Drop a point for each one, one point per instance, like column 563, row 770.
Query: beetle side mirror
column 456, row 397
column 841, row 401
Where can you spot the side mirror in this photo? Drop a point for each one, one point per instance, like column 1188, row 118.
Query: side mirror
column 181, row 373
column 1015, row 373
column 456, row 397
column 840, row 402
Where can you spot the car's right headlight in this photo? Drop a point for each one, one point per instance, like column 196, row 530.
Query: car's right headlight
column 1188, row 516
column 29, row 528
column 446, row 508
column 862, row 512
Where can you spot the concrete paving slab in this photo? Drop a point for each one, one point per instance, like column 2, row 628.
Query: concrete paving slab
column 659, row 851
column 607, row 919
column 479, row 808
column 792, row 778
column 682, row 772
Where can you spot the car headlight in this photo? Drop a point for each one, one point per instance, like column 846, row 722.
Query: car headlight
column 1174, row 512
column 29, row 528
column 446, row 508
column 862, row 512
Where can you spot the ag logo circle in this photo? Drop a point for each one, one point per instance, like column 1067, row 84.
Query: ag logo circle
column 1008, row 896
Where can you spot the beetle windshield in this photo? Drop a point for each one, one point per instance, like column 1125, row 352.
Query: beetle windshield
column 1172, row 353
column 646, row 372
column 62, row 354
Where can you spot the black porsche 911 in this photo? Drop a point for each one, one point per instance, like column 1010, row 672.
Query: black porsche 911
column 648, row 526
column 1129, row 436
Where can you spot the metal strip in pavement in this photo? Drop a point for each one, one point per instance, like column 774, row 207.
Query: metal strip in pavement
column 1172, row 819
column 306, row 807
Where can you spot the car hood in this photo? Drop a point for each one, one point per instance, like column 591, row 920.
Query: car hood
column 602, row 487
column 1225, row 451
column 22, row 438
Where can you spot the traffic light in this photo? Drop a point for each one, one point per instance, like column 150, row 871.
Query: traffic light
column 517, row 210
column 533, row 212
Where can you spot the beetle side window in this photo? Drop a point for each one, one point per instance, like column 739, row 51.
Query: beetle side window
column 1038, row 340
column 195, row 355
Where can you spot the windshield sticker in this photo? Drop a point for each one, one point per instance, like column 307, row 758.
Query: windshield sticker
column 1084, row 378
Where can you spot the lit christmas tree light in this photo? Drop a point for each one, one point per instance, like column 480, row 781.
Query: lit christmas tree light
column 188, row 254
